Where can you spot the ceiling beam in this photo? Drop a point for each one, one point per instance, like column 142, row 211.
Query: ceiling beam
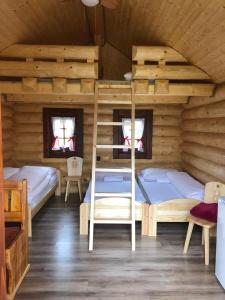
column 107, row 91
column 50, row 52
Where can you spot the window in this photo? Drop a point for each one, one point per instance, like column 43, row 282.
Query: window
column 143, row 133
column 62, row 132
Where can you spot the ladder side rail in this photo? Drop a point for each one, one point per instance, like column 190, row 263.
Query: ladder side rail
column 133, row 168
column 91, row 233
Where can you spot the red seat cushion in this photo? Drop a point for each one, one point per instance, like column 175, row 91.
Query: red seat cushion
column 11, row 232
column 205, row 211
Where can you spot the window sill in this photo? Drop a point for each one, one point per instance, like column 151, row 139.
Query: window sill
column 53, row 159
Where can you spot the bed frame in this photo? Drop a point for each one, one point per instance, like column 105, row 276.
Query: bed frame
column 176, row 210
column 56, row 189
column 106, row 206
column 16, row 256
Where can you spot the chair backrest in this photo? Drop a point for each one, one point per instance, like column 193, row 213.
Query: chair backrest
column 213, row 190
column 74, row 166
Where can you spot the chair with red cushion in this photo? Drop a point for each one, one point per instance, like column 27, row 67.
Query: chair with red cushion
column 205, row 215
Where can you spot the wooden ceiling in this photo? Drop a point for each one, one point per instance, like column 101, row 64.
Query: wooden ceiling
column 195, row 28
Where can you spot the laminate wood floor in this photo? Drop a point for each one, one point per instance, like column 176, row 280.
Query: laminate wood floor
column 62, row 267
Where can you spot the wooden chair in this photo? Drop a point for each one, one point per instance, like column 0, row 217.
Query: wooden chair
column 16, row 233
column 74, row 174
column 213, row 190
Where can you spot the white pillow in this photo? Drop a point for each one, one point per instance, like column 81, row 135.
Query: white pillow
column 154, row 173
column 8, row 172
column 115, row 178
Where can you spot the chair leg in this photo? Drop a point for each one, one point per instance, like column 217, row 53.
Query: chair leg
column 203, row 236
column 79, row 189
column 67, row 189
column 206, row 234
column 188, row 237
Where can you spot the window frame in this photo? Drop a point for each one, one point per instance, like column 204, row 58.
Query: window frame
column 118, row 114
column 48, row 113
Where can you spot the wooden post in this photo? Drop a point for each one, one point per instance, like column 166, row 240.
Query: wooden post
column 145, row 219
column 84, row 215
column 2, row 222
column 152, row 220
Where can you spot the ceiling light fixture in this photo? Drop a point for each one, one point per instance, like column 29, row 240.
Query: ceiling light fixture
column 90, row 3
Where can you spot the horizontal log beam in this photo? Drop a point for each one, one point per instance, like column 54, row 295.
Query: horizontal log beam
column 51, row 52
column 71, row 97
column 210, row 125
column 205, row 139
column 13, row 87
column 51, row 98
column 198, row 174
column 162, row 110
column 87, row 86
column 213, row 110
column 185, row 89
column 212, row 154
column 206, row 166
column 44, row 69
column 175, row 72
column 156, row 53
column 219, row 96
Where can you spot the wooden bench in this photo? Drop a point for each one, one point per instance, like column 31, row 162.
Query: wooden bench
column 16, row 233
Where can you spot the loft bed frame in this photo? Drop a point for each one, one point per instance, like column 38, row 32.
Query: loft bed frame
column 68, row 74
column 175, row 210
column 117, row 211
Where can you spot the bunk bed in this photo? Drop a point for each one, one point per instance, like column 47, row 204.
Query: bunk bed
column 171, row 195
column 43, row 182
column 107, row 182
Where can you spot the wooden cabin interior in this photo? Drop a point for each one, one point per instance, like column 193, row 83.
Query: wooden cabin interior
column 112, row 143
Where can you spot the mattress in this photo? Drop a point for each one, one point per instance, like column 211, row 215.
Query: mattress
column 40, row 180
column 103, row 185
column 34, row 198
column 158, row 192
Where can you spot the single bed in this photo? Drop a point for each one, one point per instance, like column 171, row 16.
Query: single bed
column 105, row 208
column 170, row 194
column 43, row 182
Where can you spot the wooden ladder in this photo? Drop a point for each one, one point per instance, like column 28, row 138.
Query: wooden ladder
column 130, row 195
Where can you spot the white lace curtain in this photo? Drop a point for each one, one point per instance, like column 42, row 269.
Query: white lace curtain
column 139, row 130
column 63, row 131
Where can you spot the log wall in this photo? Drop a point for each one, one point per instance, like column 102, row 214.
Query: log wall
column 7, row 130
column 203, row 132
column 29, row 137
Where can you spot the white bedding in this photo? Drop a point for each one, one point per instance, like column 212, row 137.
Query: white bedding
column 156, row 174
column 158, row 192
column 40, row 180
column 123, row 186
column 8, row 172
column 34, row 198
column 186, row 185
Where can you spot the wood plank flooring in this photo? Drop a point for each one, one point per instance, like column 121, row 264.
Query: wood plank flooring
column 62, row 268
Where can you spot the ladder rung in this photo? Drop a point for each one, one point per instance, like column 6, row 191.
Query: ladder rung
column 113, row 123
column 117, row 195
column 113, row 147
column 112, row 221
column 114, row 170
